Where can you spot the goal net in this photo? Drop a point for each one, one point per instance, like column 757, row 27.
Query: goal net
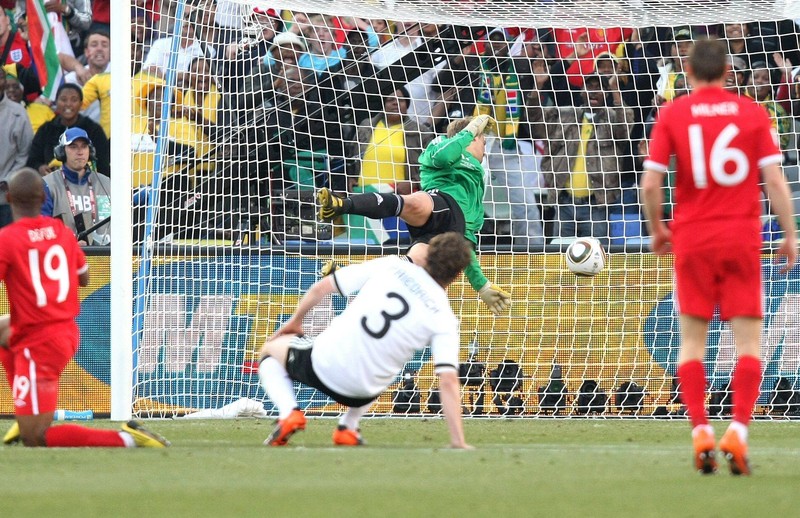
column 240, row 110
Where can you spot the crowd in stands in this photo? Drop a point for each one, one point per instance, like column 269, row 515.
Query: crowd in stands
column 263, row 102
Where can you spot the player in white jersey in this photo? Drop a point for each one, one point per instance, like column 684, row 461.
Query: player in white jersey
column 400, row 308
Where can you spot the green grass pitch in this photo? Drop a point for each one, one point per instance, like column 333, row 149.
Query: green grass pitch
column 521, row 467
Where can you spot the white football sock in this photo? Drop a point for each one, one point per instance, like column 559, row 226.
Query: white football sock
column 739, row 428
column 278, row 385
column 353, row 415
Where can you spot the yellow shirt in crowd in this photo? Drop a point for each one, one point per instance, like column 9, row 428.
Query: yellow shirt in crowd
column 384, row 160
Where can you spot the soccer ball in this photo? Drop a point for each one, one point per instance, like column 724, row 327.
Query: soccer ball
column 585, row 257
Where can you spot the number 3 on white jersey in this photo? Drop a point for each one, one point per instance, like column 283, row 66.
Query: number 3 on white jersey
column 58, row 273
column 721, row 153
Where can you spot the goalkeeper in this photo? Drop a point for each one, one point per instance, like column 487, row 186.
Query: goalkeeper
column 451, row 200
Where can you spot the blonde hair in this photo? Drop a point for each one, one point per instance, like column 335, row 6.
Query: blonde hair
column 457, row 125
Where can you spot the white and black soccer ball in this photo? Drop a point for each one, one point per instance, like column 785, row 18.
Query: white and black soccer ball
column 585, row 257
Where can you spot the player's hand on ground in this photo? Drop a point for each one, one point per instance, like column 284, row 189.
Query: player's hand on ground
column 495, row 297
column 462, row 446
column 661, row 242
column 787, row 251
column 477, row 125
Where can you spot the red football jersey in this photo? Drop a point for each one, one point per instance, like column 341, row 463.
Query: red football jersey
column 720, row 141
column 40, row 261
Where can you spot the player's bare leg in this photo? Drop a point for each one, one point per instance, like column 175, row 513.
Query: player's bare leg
column 5, row 329
column 32, row 428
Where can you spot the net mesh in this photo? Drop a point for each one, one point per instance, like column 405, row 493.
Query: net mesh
column 240, row 110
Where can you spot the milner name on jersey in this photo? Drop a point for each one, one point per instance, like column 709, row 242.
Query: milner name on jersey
column 715, row 110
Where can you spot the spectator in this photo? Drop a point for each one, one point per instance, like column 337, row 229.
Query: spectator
column 302, row 138
column 16, row 136
column 195, row 118
column 741, row 44
column 97, row 51
column 189, row 48
column 75, row 16
column 670, row 67
column 101, row 16
column 323, row 52
column 513, row 165
column 69, row 99
column 407, row 38
column 760, row 89
column 39, row 111
column 388, row 146
column 737, row 76
column 97, row 89
column 77, row 194
column 584, row 164
column 209, row 34
column 244, row 56
column 141, row 37
column 18, row 50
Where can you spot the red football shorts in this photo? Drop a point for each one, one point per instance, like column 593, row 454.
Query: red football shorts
column 33, row 367
column 728, row 277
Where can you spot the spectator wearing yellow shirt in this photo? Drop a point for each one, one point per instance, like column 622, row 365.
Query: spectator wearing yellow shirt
column 388, row 146
column 96, row 90
column 195, row 118
column 38, row 112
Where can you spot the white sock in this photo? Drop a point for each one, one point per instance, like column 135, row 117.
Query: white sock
column 702, row 427
column 353, row 415
column 740, row 428
column 278, row 386
column 127, row 439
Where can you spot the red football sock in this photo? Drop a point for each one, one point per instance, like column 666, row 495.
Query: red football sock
column 72, row 435
column 692, row 377
column 746, row 385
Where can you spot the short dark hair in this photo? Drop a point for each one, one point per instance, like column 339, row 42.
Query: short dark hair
column 70, row 86
column 448, row 255
column 708, row 58
column 96, row 32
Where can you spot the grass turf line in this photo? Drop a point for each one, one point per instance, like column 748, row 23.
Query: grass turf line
column 522, row 467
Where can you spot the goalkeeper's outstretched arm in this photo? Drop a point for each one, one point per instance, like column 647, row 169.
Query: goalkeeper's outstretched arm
column 496, row 298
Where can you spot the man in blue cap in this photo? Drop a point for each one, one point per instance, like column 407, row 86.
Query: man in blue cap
column 76, row 193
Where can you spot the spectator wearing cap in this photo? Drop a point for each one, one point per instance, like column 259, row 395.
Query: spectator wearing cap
column 77, row 194
column 586, row 159
column 69, row 99
column 16, row 135
column 669, row 68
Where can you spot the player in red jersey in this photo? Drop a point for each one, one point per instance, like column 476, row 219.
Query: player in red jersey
column 721, row 142
column 42, row 266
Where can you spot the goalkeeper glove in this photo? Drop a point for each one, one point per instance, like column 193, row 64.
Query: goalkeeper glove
column 477, row 125
column 495, row 297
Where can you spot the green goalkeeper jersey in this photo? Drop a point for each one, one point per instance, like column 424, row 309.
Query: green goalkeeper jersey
column 444, row 165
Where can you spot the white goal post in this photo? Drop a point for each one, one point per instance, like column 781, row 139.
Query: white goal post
column 229, row 114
